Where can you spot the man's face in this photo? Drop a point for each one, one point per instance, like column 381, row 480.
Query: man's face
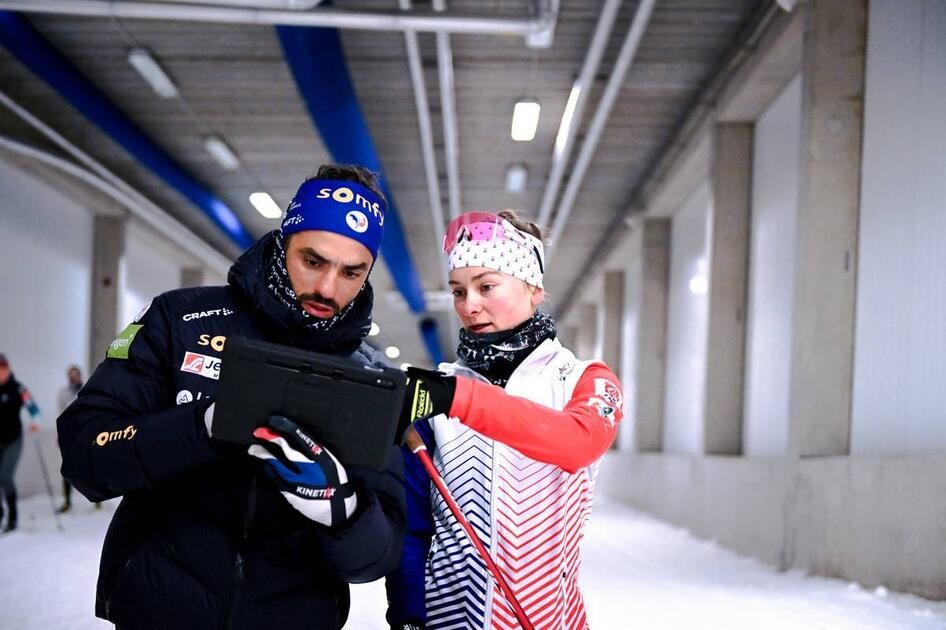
column 326, row 270
column 74, row 376
column 4, row 374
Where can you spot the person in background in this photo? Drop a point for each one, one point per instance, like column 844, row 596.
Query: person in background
column 516, row 428
column 65, row 397
column 13, row 397
column 207, row 535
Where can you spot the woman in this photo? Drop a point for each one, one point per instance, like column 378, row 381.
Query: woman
column 521, row 428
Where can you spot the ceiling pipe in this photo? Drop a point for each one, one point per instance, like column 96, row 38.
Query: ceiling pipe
column 687, row 130
column 595, row 129
column 564, row 145
column 25, row 43
column 537, row 30
column 102, row 179
column 426, row 136
column 448, row 108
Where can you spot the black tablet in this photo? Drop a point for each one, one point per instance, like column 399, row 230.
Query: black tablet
column 351, row 408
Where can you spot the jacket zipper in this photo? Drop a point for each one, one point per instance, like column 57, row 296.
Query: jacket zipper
column 236, row 585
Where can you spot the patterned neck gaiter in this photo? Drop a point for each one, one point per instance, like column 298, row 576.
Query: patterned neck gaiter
column 496, row 355
column 278, row 282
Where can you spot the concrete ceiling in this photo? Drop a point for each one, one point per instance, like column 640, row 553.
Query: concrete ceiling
column 234, row 82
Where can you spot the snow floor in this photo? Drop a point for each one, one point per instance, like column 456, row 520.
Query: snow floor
column 638, row 573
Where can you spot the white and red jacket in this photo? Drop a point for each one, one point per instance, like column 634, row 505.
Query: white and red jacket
column 521, row 463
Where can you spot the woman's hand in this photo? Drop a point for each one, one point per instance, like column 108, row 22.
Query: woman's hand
column 429, row 393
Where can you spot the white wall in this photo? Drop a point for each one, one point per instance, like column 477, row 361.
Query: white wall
column 150, row 267
column 899, row 401
column 687, row 322
column 45, row 261
column 772, row 248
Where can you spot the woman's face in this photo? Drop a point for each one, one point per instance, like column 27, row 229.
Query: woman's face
column 487, row 300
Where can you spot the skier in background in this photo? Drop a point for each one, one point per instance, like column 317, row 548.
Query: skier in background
column 13, row 397
column 65, row 397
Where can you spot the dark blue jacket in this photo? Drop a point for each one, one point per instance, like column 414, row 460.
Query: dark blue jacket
column 202, row 539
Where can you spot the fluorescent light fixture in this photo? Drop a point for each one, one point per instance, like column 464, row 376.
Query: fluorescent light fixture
column 375, row 330
column 516, row 178
column 699, row 285
column 567, row 116
column 265, row 205
column 392, row 352
column 149, row 69
column 525, row 120
column 221, row 151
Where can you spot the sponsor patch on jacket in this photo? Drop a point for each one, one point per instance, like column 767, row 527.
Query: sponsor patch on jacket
column 604, row 409
column 105, row 437
column 119, row 348
column 201, row 364
column 609, row 392
column 214, row 312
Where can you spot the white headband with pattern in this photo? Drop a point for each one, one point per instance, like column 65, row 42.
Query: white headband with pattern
column 519, row 257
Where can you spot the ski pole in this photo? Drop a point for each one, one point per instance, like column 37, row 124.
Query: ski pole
column 49, row 486
column 416, row 443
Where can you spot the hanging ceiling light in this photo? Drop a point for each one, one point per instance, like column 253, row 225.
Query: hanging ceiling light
column 152, row 72
column 265, row 205
column 221, row 151
column 525, row 120
column 516, row 175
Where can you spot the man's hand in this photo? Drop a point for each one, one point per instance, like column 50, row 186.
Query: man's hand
column 429, row 393
column 307, row 474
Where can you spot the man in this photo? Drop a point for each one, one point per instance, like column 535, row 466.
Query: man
column 65, row 397
column 202, row 538
column 13, row 397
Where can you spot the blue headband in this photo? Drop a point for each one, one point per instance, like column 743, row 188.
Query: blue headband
column 338, row 206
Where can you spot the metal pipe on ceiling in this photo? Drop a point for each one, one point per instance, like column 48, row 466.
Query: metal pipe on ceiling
column 589, row 69
column 537, row 30
column 616, row 80
column 426, row 135
column 687, row 130
column 451, row 141
column 101, row 178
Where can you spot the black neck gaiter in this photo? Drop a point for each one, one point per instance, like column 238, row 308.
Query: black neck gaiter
column 496, row 355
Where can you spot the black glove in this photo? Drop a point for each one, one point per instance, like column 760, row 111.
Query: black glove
column 409, row 625
column 428, row 393
column 310, row 478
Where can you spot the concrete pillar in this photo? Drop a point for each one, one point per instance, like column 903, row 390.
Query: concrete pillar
column 731, row 175
column 192, row 277
column 613, row 329
column 833, row 60
column 586, row 341
column 108, row 246
column 649, row 291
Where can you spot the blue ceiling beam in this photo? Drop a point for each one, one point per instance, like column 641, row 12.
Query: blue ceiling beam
column 31, row 48
column 317, row 62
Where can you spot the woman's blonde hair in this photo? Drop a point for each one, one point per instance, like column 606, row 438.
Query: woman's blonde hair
column 521, row 224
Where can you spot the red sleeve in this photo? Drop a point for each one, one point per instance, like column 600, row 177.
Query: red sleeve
column 571, row 438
